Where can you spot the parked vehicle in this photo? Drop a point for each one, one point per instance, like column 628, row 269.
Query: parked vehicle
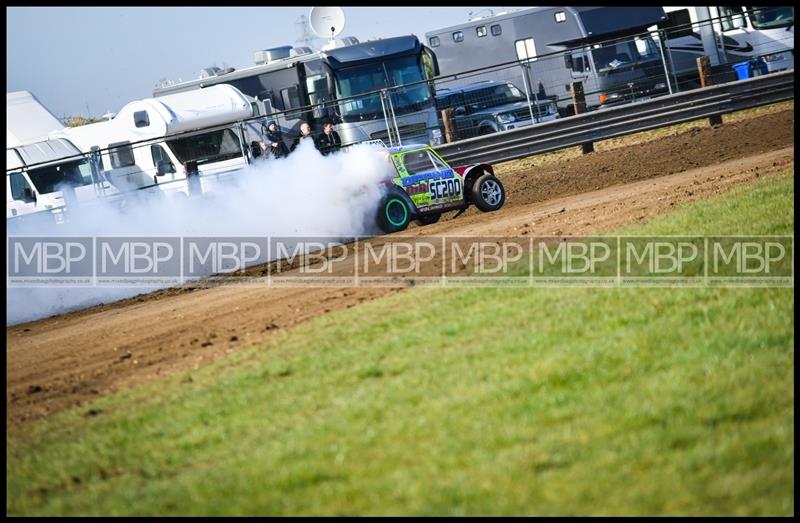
column 149, row 142
column 342, row 83
column 42, row 174
column 488, row 107
column 728, row 35
column 425, row 186
column 607, row 49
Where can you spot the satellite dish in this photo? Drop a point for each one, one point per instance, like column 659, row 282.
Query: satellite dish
column 326, row 22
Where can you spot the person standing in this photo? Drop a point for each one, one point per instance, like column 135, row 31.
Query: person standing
column 328, row 141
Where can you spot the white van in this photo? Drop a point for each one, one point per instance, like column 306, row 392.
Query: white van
column 45, row 176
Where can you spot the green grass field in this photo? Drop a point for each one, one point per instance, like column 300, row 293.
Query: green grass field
column 462, row 401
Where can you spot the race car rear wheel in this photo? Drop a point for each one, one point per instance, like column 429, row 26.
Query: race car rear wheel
column 393, row 214
column 488, row 193
column 428, row 219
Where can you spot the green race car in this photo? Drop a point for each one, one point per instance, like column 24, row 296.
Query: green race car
column 425, row 186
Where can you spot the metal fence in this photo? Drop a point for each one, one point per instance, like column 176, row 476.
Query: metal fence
column 532, row 91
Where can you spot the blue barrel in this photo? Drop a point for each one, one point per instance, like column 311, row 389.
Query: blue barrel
column 742, row 70
column 750, row 68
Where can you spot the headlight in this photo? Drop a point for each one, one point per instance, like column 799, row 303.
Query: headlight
column 604, row 98
column 436, row 137
column 506, row 118
column 775, row 57
column 660, row 85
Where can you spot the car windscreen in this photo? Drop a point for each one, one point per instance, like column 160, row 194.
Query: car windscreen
column 48, row 179
column 769, row 17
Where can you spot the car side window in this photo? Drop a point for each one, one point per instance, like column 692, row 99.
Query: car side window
column 18, row 186
column 417, row 162
column 437, row 163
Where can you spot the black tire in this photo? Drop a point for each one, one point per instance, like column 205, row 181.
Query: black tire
column 487, row 193
column 428, row 219
column 394, row 215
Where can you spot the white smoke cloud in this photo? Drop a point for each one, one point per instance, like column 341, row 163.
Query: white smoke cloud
column 303, row 194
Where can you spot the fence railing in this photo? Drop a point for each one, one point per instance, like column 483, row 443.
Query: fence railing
column 626, row 119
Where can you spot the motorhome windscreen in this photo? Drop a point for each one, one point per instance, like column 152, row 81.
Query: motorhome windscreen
column 214, row 146
column 771, row 17
column 361, row 79
column 493, row 96
column 611, row 55
column 47, row 179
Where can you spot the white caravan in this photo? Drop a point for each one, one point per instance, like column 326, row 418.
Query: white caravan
column 148, row 143
column 735, row 34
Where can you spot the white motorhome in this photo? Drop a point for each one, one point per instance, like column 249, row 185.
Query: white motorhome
column 41, row 174
column 729, row 35
column 149, row 142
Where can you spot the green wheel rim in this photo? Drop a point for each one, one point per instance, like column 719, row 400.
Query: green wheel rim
column 402, row 206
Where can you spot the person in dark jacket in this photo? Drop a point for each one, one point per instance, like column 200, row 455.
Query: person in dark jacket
column 274, row 141
column 305, row 134
column 328, row 141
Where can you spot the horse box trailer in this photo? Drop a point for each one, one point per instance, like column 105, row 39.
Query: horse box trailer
column 608, row 49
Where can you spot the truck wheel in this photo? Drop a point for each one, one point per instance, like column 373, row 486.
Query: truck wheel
column 428, row 219
column 488, row 193
column 393, row 214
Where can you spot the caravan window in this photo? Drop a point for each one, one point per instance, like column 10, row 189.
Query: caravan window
column 434, row 41
column 141, row 119
column 213, row 146
column 121, row 154
column 481, row 31
column 458, row 36
column 561, row 16
column 496, row 30
column 526, row 50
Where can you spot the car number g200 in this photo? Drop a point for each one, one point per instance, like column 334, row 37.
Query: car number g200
column 444, row 188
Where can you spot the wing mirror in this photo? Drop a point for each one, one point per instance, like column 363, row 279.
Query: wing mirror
column 29, row 195
column 164, row 167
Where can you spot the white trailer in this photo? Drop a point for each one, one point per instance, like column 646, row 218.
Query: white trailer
column 728, row 35
column 149, row 142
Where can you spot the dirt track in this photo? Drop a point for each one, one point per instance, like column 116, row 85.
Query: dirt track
column 63, row 361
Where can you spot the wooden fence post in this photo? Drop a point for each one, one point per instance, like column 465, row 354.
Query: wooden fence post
column 579, row 105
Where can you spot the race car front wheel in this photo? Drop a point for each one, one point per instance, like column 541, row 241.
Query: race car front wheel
column 393, row 214
column 488, row 193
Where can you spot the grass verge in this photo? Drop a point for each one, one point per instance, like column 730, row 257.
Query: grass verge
column 464, row 401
